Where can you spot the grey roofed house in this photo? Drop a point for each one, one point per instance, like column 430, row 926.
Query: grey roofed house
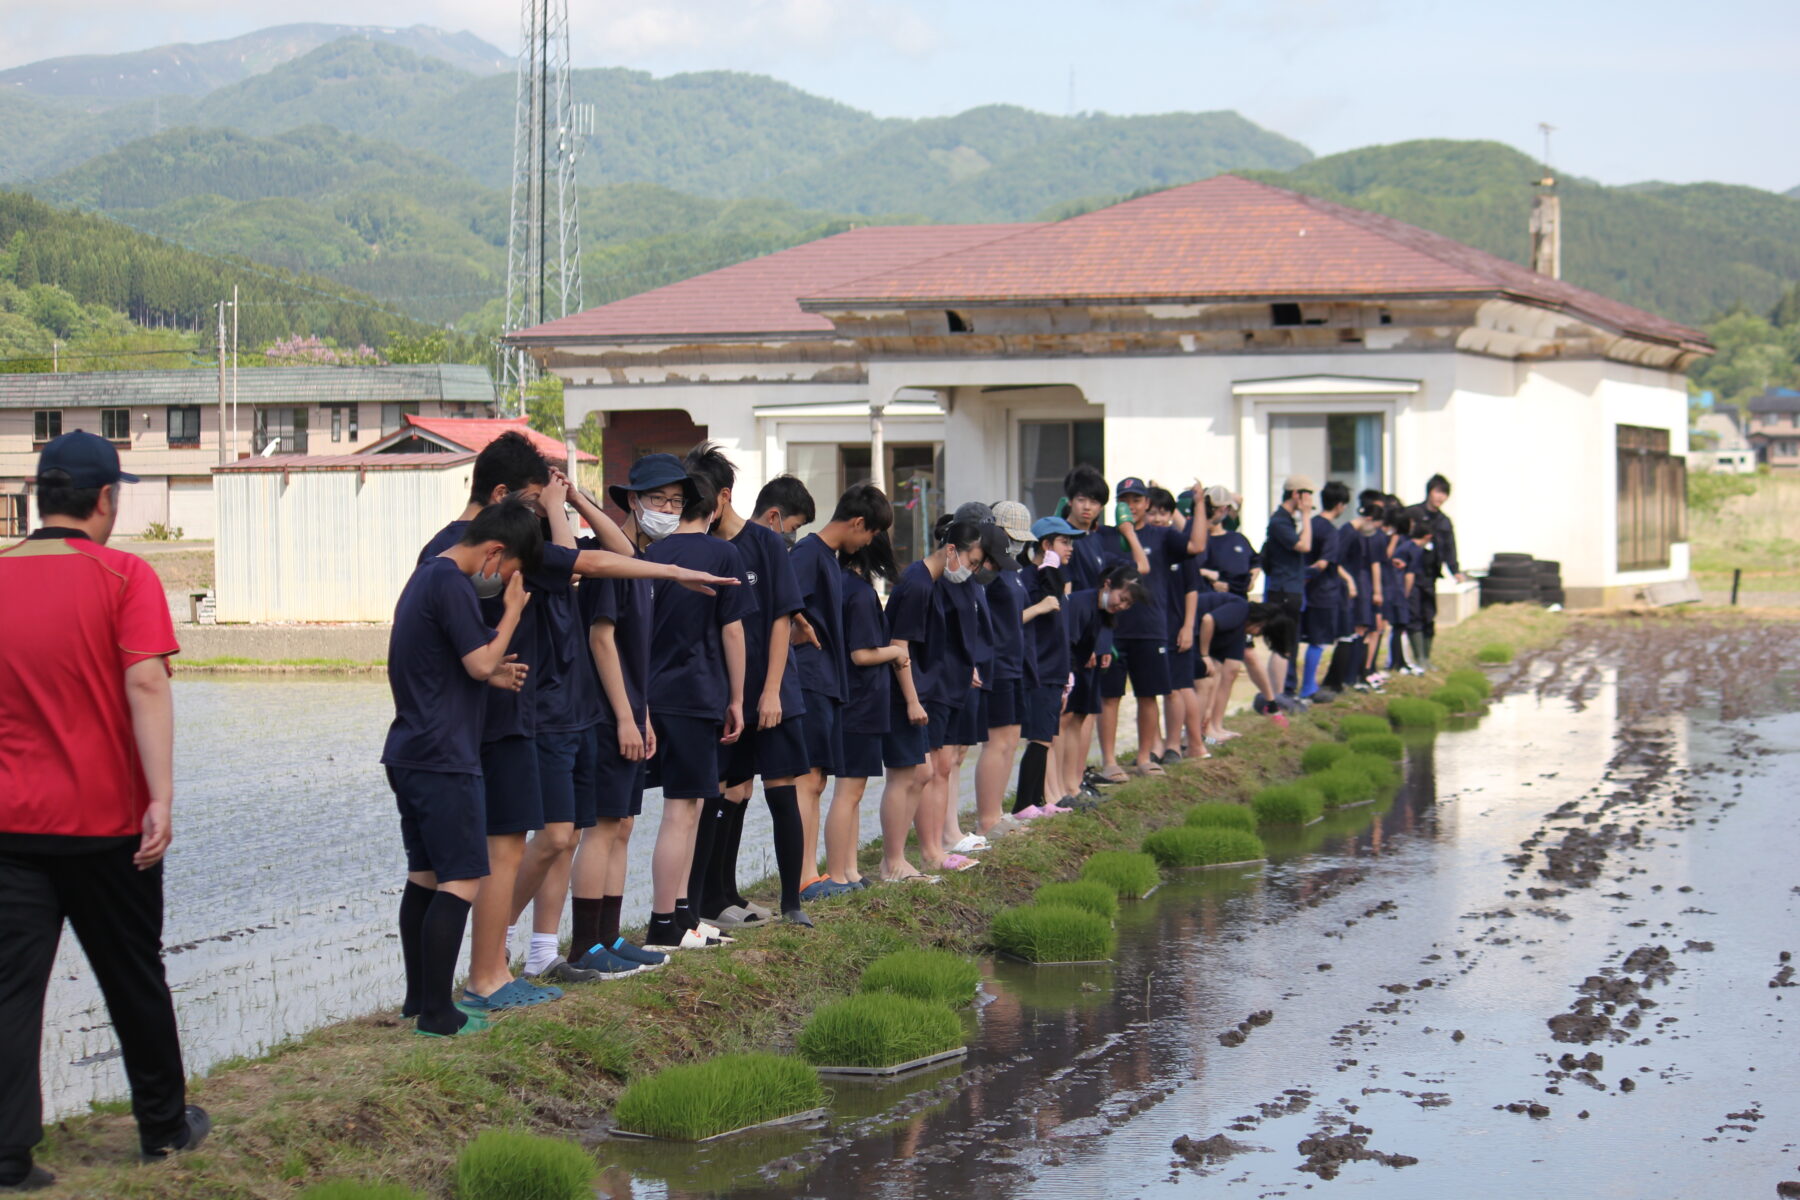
column 1776, row 400
column 444, row 382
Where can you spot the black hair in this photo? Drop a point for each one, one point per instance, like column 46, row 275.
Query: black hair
column 1084, row 480
column 996, row 548
column 874, row 561
column 1437, row 483
column 707, row 461
column 867, row 501
column 1370, row 496
column 514, row 526
column 948, row 531
column 788, row 496
column 56, row 497
column 703, row 503
column 1392, row 503
column 1370, row 508
column 1160, row 499
column 509, row 461
column 1399, row 522
column 1277, row 627
column 1334, row 494
column 1123, row 577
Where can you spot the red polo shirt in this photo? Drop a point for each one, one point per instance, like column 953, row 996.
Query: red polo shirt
column 73, row 616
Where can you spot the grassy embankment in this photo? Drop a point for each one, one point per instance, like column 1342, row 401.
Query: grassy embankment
column 1747, row 523
column 366, row 1099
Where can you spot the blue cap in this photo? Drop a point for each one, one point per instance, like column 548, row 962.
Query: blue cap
column 1045, row 527
column 1131, row 485
column 649, row 473
column 89, row 461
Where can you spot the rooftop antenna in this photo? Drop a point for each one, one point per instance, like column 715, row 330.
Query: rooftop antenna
column 1546, row 217
column 543, row 244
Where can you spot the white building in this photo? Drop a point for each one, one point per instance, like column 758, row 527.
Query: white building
column 1227, row 329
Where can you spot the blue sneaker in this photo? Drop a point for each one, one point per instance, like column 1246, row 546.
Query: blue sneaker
column 610, row 965
column 637, row 954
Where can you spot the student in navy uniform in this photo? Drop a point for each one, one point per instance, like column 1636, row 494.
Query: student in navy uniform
column 968, row 656
column 696, row 702
column 1350, row 550
column 875, row 658
column 1178, row 581
column 970, row 727
column 1015, row 664
column 1441, row 557
column 1048, row 544
column 1219, row 654
column 773, row 744
column 442, row 659
column 1396, row 583
column 1422, row 591
column 1097, row 547
column 1090, row 614
column 1231, row 563
column 1287, row 548
column 1320, row 618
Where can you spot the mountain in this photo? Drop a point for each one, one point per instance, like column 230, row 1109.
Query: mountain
column 186, row 69
column 353, row 84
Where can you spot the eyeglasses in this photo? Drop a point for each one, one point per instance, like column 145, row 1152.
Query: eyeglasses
column 663, row 502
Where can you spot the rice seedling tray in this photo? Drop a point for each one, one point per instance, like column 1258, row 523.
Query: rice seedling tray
column 917, row 1064
column 799, row 1118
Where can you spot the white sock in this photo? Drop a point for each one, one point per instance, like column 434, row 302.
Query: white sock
column 543, row 952
column 510, row 930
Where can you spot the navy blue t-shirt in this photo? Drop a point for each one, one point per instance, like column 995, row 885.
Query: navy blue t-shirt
column 626, row 604
column 865, row 628
column 1323, row 587
column 1229, row 611
column 687, row 654
column 966, row 642
column 771, row 577
column 437, row 704
column 1358, row 555
column 1047, row 632
column 1006, row 600
column 1231, row 555
column 824, row 668
column 1090, row 555
column 1089, row 634
column 1165, row 548
column 1284, row 567
column 915, row 616
column 567, row 694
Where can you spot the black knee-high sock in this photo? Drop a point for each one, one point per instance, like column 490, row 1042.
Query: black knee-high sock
column 610, row 907
column 1031, row 776
column 721, row 883
column 784, row 810
column 736, row 835
column 712, row 814
column 584, row 925
column 440, row 946
column 414, row 900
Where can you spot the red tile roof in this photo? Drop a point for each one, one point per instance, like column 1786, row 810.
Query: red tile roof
column 762, row 295
column 344, row 462
column 474, row 433
column 1226, row 238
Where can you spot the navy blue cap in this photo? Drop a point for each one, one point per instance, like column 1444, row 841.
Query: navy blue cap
column 649, row 473
column 89, row 461
column 1131, row 485
column 1045, row 527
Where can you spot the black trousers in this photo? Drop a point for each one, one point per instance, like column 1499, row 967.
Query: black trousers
column 1427, row 615
column 117, row 913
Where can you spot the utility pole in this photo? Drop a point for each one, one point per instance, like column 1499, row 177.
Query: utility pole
column 234, row 366
column 1546, row 217
column 221, row 344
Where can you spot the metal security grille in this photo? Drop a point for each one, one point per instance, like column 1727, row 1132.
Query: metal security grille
column 1652, row 498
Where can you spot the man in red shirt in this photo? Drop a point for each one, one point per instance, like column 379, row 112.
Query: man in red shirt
column 86, row 745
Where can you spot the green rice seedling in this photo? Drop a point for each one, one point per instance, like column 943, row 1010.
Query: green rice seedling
column 1321, row 755
column 1202, row 846
column 1388, row 745
column 1415, row 712
column 733, row 1091
column 1352, row 724
column 1224, row 816
column 1381, row 772
column 503, row 1164
column 937, row 976
column 1127, row 874
column 1495, row 652
column 1342, row 785
column 1288, row 804
column 1457, row 699
column 1476, row 681
column 1052, row 935
column 344, row 1189
column 1097, row 898
column 878, row 1029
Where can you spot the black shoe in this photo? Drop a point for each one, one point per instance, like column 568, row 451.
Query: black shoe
column 1091, row 793
column 795, row 916
column 35, row 1180
column 198, row 1126
column 1323, row 695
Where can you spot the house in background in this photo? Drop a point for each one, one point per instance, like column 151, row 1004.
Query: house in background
column 468, row 435
column 1226, row 329
column 167, row 426
column 1717, row 442
column 1774, row 428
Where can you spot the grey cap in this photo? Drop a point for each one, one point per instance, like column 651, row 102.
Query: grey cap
column 976, row 511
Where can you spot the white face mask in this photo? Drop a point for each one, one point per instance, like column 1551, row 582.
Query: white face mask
column 960, row 574
column 1106, row 601
column 656, row 525
column 489, row 586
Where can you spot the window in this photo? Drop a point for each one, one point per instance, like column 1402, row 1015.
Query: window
column 115, row 424
column 392, row 415
column 1047, row 450
column 284, row 427
column 1652, row 498
column 343, row 419
column 46, row 425
column 184, row 424
column 1347, row 447
column 913, row 472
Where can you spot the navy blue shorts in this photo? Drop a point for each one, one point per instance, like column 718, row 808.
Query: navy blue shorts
column 969, row 726
column 442, row 822
column 863, row 757
column 566, row 776
column 1362, row 608
column 822, row 727
column 904, row 744
column 1006, row 704
column 778, row 753
column 937, row 729
column 1319, row 624
column 1043, row 713
column 1146, row 665
column 687, row 755
column 618, row 782
column 1181, row 666
column 1084, row 697
column 512, row 796
column 1230, row 644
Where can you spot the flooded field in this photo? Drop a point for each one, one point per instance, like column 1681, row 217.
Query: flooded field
column 1556, row 965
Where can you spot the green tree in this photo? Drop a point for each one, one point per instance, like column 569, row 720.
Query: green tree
column 1751, row 356
column 544, row 411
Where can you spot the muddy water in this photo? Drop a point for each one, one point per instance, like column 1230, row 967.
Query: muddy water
column 1614, row 845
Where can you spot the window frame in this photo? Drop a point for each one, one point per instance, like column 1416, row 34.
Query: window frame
column 113, row 416
column 181, row 440
column 46, row 426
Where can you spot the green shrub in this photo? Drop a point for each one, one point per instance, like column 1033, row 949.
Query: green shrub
column 1321, row 755
column 1352, row 724
column 1388, row 745
column 691, row 1102
column 1096, row 898
column 1202, row 846
column 1343, row 785
column 1288, row 804
column 1054, row 934
column 1222, row 816
column 878, row 1029
column 1381, row 772
column 1495, row 652
column 344, row 1189
column 505, row 1165
column 1457, row 699
column 1128, row 875
column 1476, row 681
column 937, row 976
column 1415, row 712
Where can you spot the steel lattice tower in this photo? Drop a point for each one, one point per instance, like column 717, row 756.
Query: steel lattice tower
column 543, row 244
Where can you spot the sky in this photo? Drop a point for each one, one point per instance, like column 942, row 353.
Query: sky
column 1638, row 90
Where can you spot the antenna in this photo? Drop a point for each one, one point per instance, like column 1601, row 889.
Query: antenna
column 1546, row 217
column 1547, row 129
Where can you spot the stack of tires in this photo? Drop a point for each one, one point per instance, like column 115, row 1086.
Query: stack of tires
column 1513, row 579
column 1549, row 582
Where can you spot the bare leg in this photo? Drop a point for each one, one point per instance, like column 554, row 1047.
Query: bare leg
column 1149, row 731
column 1193, row 720
column 1055, row 786
column 1276, row 678
column 617, row 860
column 1222, row 699
column 1259, row 677
column 547, row 845
column 1175, row 715
column 1109, row 734
column 809, row 789
column 842, row 824
column 953, row 795
column 674, row 852
column 490, row 963
column 899, row 805
column 929, row 820
column 992, row 770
